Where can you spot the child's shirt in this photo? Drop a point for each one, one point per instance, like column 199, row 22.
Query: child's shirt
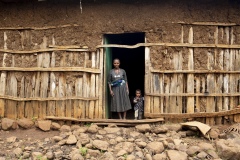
column 139, row 103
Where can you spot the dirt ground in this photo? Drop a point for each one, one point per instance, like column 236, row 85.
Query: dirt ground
column 32, row 133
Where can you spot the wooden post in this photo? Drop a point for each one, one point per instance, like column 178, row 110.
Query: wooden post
column 44, row 80
column 156, row 88
column 226, row 76
column 101, row 93
column 51, row 105
column 211, row 89
column 3, row 79
column 92, row 87
column 232, row 86
column 147, row 80
column 190, row 77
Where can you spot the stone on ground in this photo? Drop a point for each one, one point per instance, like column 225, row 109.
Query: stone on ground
column 44, row 125
column 65, row 128
column 176, row 155
column 102, row 145
column 25, row 123
column 55, row 126
column 143, row 128
column 7, row 123
column 71, row 140
column 155, row 147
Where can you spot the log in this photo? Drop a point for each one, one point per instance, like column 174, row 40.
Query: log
column 106, row 120
column 188, row 45
column 193, row 115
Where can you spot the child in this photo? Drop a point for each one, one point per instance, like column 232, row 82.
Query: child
column 138, row 107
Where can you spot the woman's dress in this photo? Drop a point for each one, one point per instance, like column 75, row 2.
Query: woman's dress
column 120, row 101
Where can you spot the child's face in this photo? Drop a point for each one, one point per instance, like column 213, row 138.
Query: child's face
column 138, row 94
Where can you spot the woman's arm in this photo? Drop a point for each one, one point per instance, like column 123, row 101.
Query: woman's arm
column 110, row 89
column 109, row 84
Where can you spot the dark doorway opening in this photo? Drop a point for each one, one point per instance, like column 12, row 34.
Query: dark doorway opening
column 131, row 60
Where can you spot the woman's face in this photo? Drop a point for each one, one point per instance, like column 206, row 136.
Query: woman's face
column 116, row 63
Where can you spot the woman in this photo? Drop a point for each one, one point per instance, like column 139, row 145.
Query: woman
column 118, row 86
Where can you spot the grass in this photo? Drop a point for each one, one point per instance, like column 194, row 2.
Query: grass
column 83, row 151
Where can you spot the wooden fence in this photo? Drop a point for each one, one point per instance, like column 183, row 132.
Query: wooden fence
column 200, row 74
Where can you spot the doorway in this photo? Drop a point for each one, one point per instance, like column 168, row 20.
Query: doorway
column 131, row 60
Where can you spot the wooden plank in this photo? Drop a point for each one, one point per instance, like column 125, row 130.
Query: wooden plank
column 218, row 89
column 45, row 63
column 102, row 81
column 34, row 104
column 161, row 90
column 237, row 117
column 2, row 92
column 61, row 110
column 78, row 104
column 190, row 77
column 69, row 103
column 156, row 88
column 167, row 90
column 226, row 81
column 92, row 87
column 21, row 105
column 180, row 81
column 51, row 69
column 194, row 115
column 96, row 110
column 107, row 120
column 147, row 104
column 211, row 89
column 28, row 105
column 85, row 87
column 198, row 107
column 51, row 105
column 42, row 50
column 11, row 109
column 3, row 78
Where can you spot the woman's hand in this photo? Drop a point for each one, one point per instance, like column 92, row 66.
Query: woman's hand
column 111, row 92
column 127, row 91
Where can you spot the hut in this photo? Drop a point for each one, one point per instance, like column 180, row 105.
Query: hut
column 184, row 56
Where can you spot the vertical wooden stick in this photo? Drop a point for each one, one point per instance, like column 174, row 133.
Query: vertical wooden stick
column 190, row 77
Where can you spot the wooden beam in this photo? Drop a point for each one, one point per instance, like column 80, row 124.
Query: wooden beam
column 194, row 71
column 194, row 94
column 52, row 69
column 44, row 50
column 209, row 24
column 169, row 45
column 38, row 28
column 193, row 115
column 48, row 98
column 106, row 120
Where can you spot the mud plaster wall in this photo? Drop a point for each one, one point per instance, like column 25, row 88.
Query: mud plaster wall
column 112, row 16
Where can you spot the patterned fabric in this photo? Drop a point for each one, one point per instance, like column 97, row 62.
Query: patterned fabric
column 139, row 104
column 120, row 101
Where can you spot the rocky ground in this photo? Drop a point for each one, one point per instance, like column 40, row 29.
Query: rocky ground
column 50, row 140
